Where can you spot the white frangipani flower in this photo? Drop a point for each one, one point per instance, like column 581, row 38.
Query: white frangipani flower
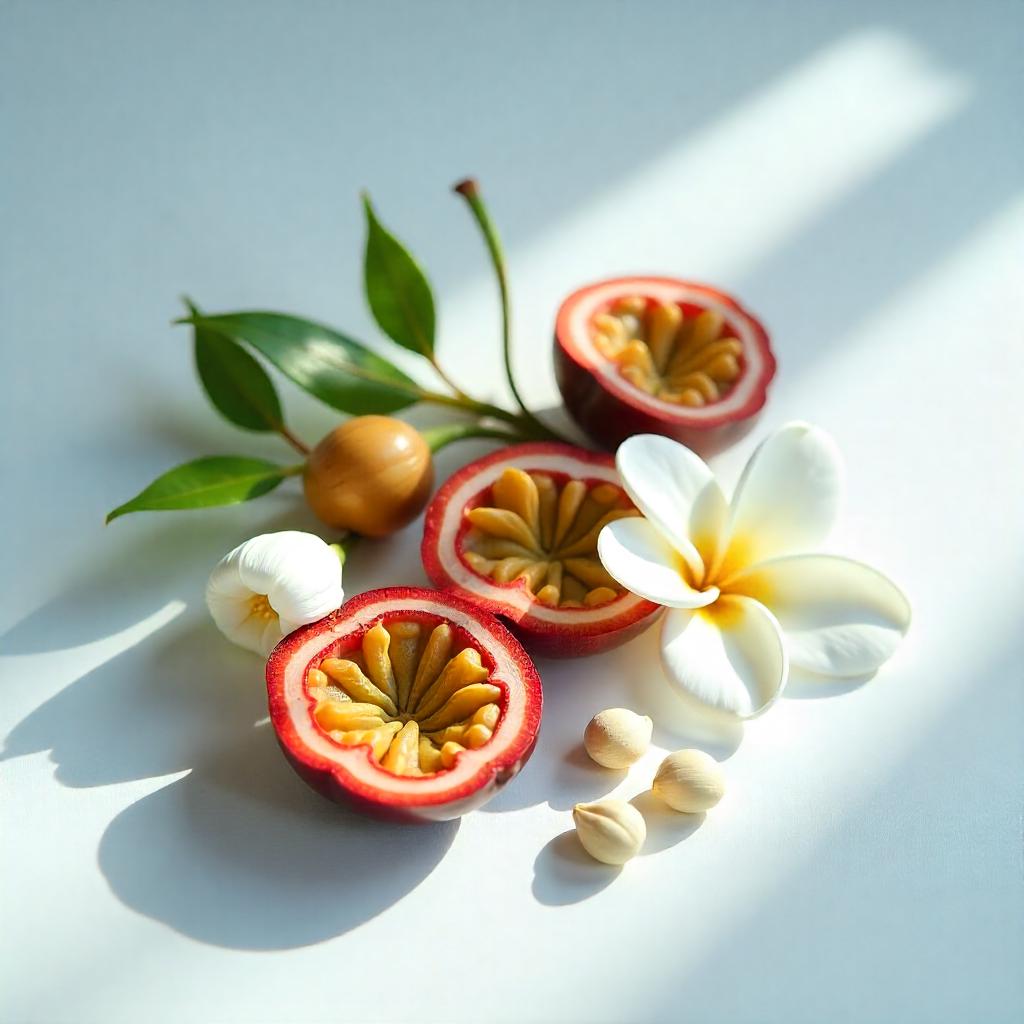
column 271, row 585
column 745, row 599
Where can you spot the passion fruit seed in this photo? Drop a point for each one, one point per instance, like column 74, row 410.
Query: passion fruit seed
column 405, row 695
column 372, row 475
column 662, row 352
column 546, row 536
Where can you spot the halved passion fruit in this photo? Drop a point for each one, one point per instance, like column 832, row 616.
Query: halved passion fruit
column 653, row 355
column 516, row 533
column 406, row 703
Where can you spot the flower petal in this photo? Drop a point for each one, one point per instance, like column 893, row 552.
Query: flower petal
column 788, row 497
column 227, row 597
column 677, row 492
column 840, row 617
column 298, row 572
column 636, row 553
column 729, row 656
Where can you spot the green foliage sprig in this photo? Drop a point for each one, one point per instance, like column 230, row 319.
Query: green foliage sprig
column 334, row 368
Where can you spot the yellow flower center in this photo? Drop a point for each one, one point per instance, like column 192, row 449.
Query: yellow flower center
column 259, row 608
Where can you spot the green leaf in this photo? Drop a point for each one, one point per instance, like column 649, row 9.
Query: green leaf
column 397, row 289
column 327, row 364
column 203, row 483
column 235, row 383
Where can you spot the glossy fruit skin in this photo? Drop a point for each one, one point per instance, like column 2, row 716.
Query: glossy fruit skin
column 569, row 637
column 608, row 409
column 371, row 475
column 401, row 799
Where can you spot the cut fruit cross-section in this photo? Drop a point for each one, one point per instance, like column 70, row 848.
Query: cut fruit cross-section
column 657, row 355
column 516, row 533
column 406, row 702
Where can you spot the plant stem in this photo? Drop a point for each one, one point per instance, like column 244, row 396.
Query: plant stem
column 301, row 448
column 445, row 434
column 470, row 191
column 344, row 545
column 296, row 470
column 439, row 370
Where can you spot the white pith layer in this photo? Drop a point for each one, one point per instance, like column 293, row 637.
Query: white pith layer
column 357, row 761
column 580, row 333
column 519, row 596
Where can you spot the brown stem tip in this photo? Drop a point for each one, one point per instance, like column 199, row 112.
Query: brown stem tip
column 467, row 187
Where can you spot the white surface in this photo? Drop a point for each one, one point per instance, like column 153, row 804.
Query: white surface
column 852, row 172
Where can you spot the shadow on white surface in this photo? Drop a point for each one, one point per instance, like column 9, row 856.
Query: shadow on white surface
column 806, row 685
column 665, row 827
column 565, row 873
column 241, row 853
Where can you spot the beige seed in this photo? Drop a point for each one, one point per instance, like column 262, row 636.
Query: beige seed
column 610, row 830
column 689, row 781
column 617, row 738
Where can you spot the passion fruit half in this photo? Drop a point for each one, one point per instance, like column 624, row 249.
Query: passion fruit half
column 516, row 534
column 655, row 355
column 405, row 703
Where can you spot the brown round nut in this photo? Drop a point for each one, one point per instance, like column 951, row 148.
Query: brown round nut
column 372, row 475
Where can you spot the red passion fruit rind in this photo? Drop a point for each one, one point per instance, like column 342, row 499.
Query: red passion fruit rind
column 556, row 596
column 628, row 363
column 476, row 736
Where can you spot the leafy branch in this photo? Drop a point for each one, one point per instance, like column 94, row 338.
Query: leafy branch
column 335, row 368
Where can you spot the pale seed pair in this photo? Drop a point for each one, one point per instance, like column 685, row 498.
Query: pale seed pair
column 689, row 781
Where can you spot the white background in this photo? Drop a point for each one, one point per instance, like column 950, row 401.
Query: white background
column 852, row 172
